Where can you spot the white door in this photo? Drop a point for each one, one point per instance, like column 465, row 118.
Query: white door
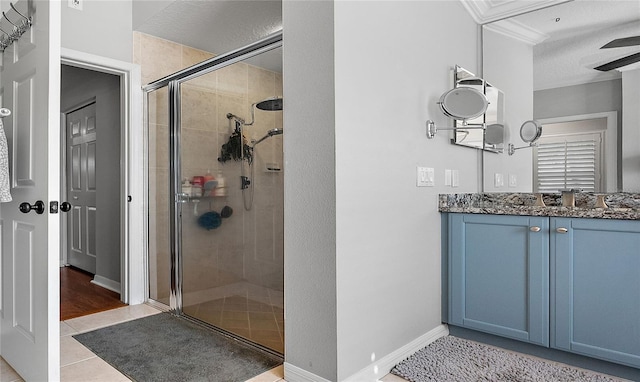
column 81, row 190
column 30, row 277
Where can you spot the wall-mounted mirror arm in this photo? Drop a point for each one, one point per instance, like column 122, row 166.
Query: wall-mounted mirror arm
column 511, row 149
column 530, row 132
column 432, row 130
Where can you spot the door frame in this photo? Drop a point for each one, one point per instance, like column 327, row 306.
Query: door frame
column 132, row 153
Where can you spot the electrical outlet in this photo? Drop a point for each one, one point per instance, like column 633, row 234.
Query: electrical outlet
column 425, row 177
column 498, row 180
column 75, row 4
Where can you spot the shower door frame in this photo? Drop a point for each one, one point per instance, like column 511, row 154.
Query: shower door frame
column 173, row 82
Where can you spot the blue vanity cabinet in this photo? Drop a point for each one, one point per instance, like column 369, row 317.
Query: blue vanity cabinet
column 595, row 288
column 498, row 275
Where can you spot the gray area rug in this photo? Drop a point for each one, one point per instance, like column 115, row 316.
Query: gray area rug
column 453, row 359
column 164, row 347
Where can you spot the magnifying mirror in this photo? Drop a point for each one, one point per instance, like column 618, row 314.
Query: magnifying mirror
column 530, row 132
column 463, row 103
column 494, row 134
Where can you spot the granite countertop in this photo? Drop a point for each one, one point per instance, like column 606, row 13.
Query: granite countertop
column 625, row 206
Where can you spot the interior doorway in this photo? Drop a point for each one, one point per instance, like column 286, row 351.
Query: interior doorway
column 91, row 235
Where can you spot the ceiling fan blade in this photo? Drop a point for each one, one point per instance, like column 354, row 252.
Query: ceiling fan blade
column 624, row 61
column 620, row 42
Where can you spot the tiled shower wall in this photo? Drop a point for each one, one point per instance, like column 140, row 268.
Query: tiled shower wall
column 248, row 247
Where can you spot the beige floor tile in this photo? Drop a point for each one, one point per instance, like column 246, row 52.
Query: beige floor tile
column 72, row 351
column 264, row 325
column 111, row 317
column 93, row 369
column 274, row 375
column 392, row 378
column 7, row 374
column 66, row 330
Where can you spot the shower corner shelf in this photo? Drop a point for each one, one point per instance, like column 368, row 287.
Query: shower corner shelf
column 184, row 198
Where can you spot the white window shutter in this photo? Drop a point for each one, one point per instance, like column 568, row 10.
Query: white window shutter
column 568, row 162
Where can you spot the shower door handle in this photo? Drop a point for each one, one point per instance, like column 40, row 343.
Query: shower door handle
column 182, row 197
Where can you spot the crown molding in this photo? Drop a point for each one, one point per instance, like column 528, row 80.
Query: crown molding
column 487, row 11
column 518, row 31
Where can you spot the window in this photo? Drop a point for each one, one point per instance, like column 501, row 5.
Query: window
column 568, row 161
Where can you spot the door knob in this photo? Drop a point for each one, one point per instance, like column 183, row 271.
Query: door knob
column 38, row 206
column 65, row 206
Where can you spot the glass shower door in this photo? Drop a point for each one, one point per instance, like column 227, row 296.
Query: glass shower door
column 231, row 257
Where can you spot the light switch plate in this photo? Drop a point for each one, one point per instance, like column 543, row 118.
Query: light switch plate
column 498, row 180
column 455, row 178
column 425, row 177
column 513, row 180
column 447, row 177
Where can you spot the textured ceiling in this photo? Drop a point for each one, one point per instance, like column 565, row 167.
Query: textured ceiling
column 573, row 34
column 569, row 50
column 216, row 26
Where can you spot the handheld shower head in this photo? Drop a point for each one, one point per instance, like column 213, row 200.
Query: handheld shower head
column 275, row 131
column 270, row 134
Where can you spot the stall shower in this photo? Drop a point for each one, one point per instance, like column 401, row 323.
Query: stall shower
column 247, row 152
column 216, row 197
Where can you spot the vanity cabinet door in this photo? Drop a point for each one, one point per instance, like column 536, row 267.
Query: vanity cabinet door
column 499, row 275
column 595, row 300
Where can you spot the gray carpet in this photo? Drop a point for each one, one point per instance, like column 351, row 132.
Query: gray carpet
column 452, row 359
column 164, row 347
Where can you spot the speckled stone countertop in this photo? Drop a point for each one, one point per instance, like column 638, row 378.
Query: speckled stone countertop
column 625, row 206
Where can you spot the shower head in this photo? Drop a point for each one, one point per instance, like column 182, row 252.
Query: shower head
column 272, row 104
column 270, row 133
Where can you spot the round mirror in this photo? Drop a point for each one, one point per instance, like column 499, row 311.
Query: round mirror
column 463, row 103
column 530, row 131
column 494, row 134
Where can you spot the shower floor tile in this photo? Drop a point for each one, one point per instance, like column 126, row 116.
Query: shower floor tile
column 256, row 321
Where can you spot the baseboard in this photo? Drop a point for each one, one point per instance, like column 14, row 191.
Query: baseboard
column 106, row 283
column 296, row 374
column 377, row 369
column 383, row 366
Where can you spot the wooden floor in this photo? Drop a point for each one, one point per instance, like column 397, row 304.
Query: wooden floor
column 79, row 297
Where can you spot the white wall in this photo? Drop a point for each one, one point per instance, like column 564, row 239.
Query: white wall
column 103, row 28
column 631, row 130
column 508, row 65
column 309, row 187
column 380, row 280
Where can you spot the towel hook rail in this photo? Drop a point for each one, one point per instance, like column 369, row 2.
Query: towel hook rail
column 27, row 20
column 18, row 30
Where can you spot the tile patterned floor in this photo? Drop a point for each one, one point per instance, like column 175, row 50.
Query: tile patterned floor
column 79, row 364
column 256, row 321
